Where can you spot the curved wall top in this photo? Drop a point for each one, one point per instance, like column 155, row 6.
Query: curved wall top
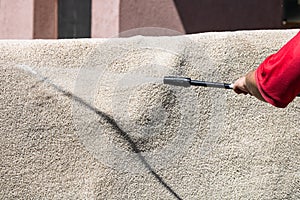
column 91, row 119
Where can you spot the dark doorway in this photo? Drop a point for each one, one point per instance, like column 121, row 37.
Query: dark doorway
column 74, row 19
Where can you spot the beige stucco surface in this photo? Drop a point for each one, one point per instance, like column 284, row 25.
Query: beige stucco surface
column 90, row 119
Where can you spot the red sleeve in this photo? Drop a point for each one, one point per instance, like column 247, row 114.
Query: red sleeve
column 278, row 77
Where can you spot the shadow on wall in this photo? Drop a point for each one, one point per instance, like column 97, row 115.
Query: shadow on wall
column 219, row 15
column 120, row 131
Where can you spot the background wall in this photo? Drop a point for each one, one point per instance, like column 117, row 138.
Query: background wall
column 105, row 20
column 153, row 13
column 45, row 19
column 16, row 25
column 219, row 15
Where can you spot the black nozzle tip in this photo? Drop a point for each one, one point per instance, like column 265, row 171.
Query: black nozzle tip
column 178, row 81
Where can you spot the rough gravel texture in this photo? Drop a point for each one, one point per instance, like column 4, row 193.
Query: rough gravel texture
column 92, row 120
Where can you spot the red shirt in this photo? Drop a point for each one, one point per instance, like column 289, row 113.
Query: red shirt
column 278, row 77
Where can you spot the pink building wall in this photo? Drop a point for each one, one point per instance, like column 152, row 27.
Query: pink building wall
column 28, row 19
column 109, row 18
column 150, row 13
column 16, row 19
column 45, row 19
column 105, row 18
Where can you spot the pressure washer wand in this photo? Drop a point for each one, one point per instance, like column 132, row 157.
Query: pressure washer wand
column 187, row 82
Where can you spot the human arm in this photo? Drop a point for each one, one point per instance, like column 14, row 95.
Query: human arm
column 277, row 79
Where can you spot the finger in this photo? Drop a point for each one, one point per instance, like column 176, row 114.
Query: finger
column 239, row 91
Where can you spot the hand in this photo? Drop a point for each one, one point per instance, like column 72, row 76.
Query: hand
column 240, row 86
column 247, row 85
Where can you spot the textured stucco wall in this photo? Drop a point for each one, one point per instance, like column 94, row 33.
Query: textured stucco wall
column 102, row 126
